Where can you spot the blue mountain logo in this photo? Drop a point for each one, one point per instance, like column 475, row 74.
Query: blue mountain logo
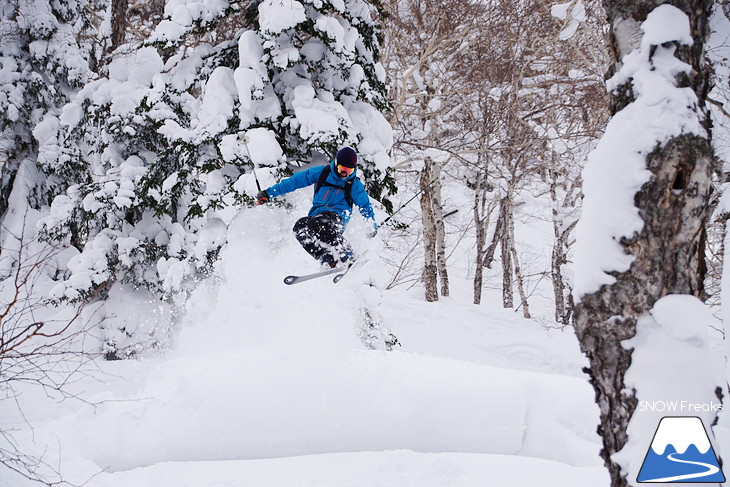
column 680, row 452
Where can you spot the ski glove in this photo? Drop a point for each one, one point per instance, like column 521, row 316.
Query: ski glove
column 374, row 231
column 262, row 197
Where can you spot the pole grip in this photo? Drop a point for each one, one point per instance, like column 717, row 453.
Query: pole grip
column 244, row 139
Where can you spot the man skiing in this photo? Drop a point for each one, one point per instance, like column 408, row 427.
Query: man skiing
column 336, row 189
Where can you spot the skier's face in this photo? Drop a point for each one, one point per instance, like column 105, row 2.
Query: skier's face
column 344, row 171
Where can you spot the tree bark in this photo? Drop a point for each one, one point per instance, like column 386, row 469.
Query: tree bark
column 8, row 171
column 481, row 222
column 430, row 273
column 563, row 297
column 559, row 256
column 668, row 251
column 505, row 245
column 496, row 239
column 519, row 278
column 157, row 10
column 119, row 22
column 438, row 219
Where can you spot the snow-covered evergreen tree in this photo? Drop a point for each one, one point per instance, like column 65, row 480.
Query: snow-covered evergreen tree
column 41, row 64
column 155, row 150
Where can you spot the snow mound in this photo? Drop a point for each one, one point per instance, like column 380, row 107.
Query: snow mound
column 399, row 468
column 270, row 384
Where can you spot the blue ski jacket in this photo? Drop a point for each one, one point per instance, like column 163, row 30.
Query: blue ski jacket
column 328, row 198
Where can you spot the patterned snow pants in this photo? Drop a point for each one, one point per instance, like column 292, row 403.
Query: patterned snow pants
column 321, row 236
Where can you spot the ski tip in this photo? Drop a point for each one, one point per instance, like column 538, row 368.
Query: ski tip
column 290, row 279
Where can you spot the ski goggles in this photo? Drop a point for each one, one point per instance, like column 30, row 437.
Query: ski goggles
column 344, row 170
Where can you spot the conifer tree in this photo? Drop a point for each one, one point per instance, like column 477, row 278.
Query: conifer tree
column 41, row 64
column 171, row 136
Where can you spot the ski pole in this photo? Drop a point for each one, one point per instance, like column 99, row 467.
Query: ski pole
column 244, row 139
column 407, row 202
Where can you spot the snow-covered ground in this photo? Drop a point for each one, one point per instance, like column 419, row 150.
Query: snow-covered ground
column 269, row 384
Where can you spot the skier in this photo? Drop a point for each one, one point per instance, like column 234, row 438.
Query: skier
column 336, row 189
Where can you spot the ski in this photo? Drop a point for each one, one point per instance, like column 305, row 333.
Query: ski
column 342, row 274
column 342, row 270
column 308, row 277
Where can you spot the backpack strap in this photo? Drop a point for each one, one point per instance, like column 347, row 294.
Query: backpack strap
column 322, row 181
column 322, row 178
column 348, row 191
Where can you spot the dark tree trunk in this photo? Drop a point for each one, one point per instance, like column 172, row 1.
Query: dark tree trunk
column 669, row 250
column 8, row 171
column 119, row 22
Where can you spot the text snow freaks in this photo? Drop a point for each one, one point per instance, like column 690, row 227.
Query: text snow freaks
column 678, row 407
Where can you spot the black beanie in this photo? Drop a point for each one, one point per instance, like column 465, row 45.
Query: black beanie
column 346, row 157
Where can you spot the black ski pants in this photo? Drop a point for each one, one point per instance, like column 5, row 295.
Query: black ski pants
column 321, row 236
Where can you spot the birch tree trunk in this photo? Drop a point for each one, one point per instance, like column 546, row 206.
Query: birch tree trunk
column 506, row 247
column 430, row 273
column 668, row 252
column 558, row 256
column 496, row 239
column 481, row 222
column 563, row 296
column 438, row 219
column 519, row 278
column 562, row 231
column 434, row 232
